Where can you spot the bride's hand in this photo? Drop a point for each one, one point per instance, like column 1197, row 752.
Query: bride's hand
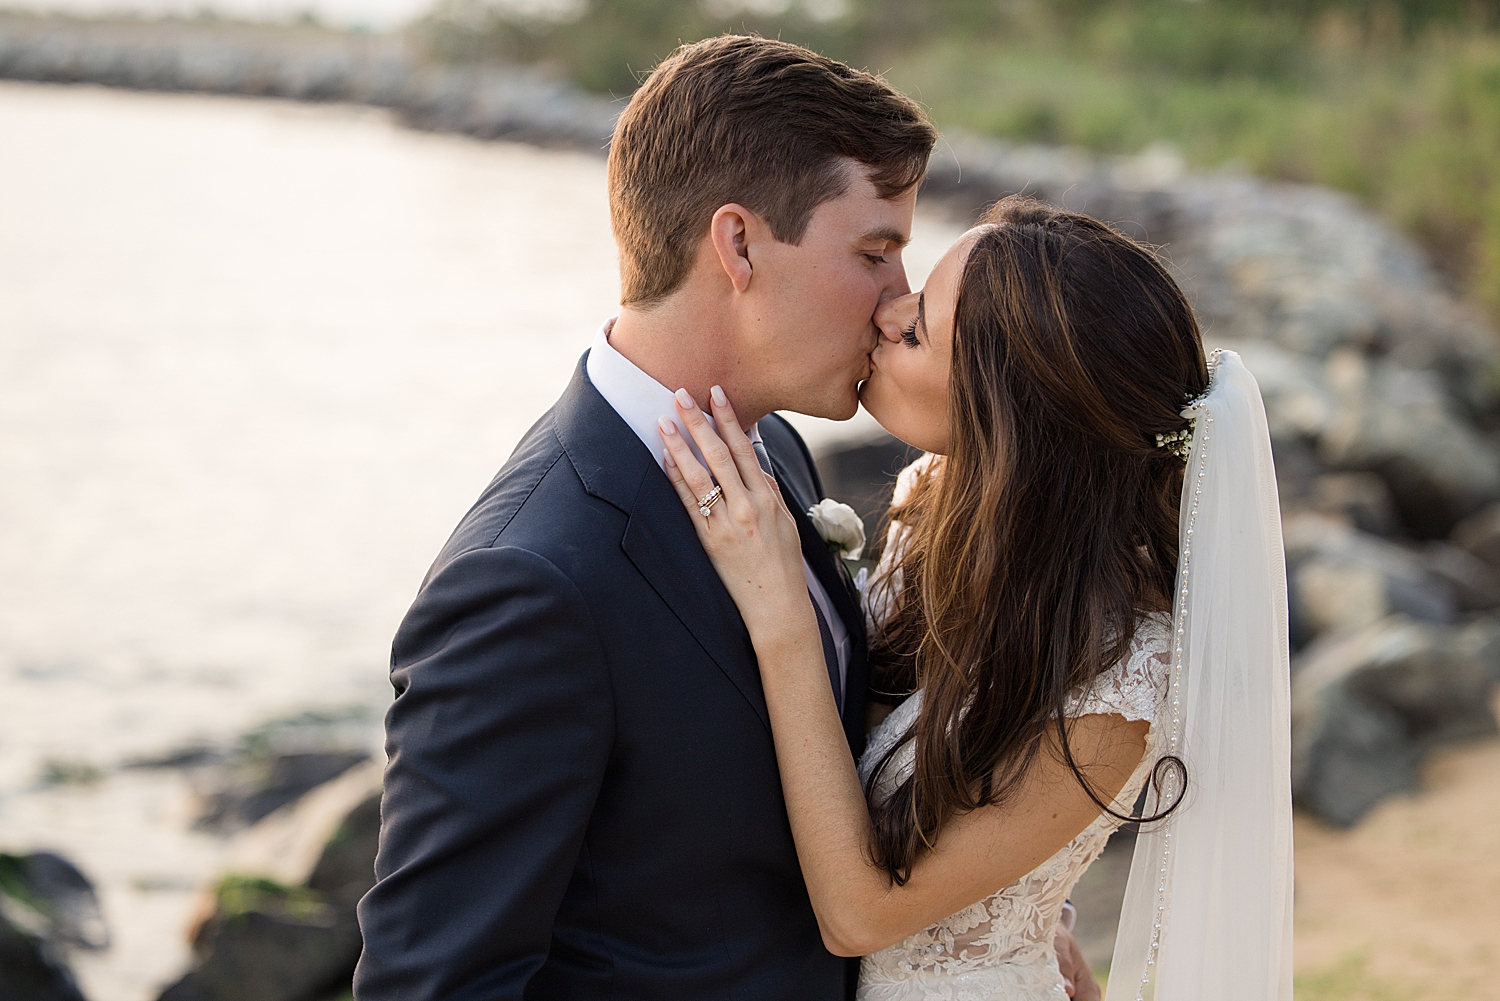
column 749, row 534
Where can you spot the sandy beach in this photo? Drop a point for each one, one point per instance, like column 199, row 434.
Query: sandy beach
column 1406, row 906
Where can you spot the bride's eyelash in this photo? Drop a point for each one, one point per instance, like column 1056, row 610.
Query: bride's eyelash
column 909, row 335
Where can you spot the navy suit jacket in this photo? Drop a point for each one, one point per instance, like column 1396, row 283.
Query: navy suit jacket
column 582, row 799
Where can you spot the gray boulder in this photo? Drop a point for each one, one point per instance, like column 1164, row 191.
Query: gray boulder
column 346, row 869
column 270, row 942
column 1369, row 703
column 47, row 909
column 1361, row 499
column 30, row 970
column 269, row 767
column 305, row 63
column 1475, row 584
column 254, row 786
column 1299, row 404
column 1479, row 535
column 1400, row 424
column 1410, row 457
column 50, row 894
column 1342, row 578
column 261, row 956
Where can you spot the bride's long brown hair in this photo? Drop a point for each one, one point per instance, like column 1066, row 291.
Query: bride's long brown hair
column 1036, row 545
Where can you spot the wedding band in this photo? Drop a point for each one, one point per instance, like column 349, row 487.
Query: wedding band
column 707, row 501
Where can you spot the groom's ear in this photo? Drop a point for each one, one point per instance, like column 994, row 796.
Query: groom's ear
column 730, row 234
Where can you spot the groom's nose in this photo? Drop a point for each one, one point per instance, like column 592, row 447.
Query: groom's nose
column 897, row 287
column 894, row 314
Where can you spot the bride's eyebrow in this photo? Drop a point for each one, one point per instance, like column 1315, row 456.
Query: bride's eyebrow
column 922, row 311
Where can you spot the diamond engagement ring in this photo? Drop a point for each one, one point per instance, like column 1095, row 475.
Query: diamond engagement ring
column 707, row 501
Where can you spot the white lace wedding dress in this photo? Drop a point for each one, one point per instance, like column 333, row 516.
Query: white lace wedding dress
column 1000, row 949
column 1193, row 927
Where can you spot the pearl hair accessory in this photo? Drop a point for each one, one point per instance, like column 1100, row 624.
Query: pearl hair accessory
column 1180, row 443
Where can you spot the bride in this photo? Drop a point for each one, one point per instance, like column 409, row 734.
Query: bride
column 1081, row 590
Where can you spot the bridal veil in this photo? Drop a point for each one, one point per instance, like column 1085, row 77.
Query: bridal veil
column 1208, row 909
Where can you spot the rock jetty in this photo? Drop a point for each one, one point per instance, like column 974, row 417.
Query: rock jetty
column 304, row 63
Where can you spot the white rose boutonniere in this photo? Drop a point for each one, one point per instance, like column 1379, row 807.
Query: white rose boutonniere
column 840, row 527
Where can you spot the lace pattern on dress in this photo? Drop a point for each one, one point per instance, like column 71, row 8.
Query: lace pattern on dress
column 1001, row 947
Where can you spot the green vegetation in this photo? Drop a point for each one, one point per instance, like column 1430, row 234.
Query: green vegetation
column 241, row 894
column 15, row 885
column 1395, row 102
column 62, row 771
column 1349, row 981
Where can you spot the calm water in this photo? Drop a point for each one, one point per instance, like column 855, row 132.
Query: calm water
column 256, row 359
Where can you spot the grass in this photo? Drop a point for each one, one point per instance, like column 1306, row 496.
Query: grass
column 1394, row 101
column 1415, row 134
column 1349, row 980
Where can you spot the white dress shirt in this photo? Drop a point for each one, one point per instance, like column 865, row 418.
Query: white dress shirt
column 640, row 400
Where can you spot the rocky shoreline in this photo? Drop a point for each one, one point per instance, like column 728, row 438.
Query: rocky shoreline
column 304, row 63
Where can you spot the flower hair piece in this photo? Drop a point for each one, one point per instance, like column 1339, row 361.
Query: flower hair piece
column 1180, row 443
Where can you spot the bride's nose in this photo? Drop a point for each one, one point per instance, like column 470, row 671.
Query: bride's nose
column 895, row 315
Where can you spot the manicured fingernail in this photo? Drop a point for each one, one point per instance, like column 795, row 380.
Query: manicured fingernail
column 667, row 426
column 720, row 400
column 686, row 399
column 667, row 458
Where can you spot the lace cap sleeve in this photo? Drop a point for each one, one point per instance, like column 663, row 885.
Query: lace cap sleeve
column 1135, row 687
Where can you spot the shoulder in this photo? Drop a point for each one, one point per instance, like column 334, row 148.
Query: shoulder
column 491, row 588
column 1136, row 686
column 536, row 502
column 906, row 480
column 537, row 457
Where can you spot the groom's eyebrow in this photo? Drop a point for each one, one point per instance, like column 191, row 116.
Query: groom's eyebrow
column 886, row 234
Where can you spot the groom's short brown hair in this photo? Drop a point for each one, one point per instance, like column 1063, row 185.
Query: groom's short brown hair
column 751, row 120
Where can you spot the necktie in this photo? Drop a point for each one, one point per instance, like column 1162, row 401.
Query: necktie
column 830, row 651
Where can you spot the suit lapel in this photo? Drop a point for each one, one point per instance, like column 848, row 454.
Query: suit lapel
column 835, row 580
column 659, row 536
column 661, row 542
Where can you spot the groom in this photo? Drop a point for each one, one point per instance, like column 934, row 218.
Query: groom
column 582, row 799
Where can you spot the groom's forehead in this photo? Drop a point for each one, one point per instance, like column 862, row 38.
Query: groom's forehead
column 862, row 215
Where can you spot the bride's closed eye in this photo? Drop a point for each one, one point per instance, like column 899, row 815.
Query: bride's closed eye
column 909, row 335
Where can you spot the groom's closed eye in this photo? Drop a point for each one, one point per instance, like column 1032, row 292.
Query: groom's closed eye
column 887, row 239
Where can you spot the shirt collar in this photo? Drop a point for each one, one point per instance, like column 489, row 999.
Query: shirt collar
column 638, row 398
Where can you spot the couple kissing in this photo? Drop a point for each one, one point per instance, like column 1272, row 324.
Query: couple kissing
column 651, row 742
